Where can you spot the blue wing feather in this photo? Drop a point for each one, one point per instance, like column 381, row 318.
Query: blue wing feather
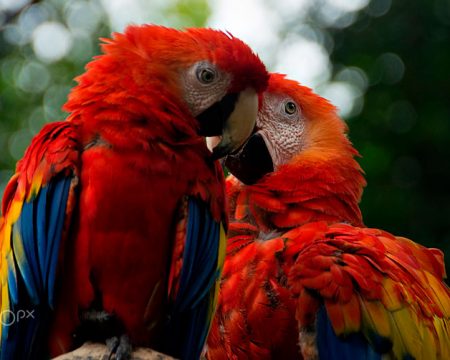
column 12, row 279
column 189, row 322
column 332, row 347
column 57, row 211
column 190, row 248
column 205, row 263
column 23, row 264
column 35, row 243
column 41, row 227
column 26, row 225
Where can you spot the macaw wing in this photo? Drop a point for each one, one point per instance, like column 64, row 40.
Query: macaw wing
column 254, row 300
column 197, row 262
column 37, row 204
column 366, row 293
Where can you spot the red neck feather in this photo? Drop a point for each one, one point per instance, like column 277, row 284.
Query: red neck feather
column 316, row 185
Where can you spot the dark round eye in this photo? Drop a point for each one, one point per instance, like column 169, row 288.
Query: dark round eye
column 206, row 76
column 290, row 107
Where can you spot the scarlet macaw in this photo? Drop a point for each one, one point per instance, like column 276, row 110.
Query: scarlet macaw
column 113, row 225
column 303, row 278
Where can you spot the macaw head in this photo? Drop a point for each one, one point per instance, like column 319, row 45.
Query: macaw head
column 294, row 127
column 198, row 80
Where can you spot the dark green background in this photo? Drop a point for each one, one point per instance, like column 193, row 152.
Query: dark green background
column 403, row 132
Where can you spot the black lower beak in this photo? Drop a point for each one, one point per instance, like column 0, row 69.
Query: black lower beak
column 213, row 119
column 252, row 162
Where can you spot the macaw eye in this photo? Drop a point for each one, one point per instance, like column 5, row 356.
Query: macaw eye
column 290, row 108
column 206, row 75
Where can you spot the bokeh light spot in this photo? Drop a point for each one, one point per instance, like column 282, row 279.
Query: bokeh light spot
column 51, row 41
column 392, row 67
column 261, row 31
column 402, row 117
column 30, row 18
column 378, row 8
column 304, row 60
column 54, row 99
column 293, row 8
column 343, row 95
column 82, row 48
column 349, row 5
column 33, row 77
column 12, row 5
column 37, row 120
column 18, row 143
column 10, row 68
column 123, row 12
column 14, row 35
column 330, row 15
column 354, row 76
column 83, row 16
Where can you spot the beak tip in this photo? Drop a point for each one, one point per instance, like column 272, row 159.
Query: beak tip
column 220, row 152
column 237, row 112
column 252, row 162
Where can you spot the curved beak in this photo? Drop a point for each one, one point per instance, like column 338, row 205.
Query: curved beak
column 252, row 161
column 229, row 122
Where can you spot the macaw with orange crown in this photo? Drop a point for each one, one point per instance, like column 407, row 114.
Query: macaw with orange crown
column 113, row 225
column 303, row 277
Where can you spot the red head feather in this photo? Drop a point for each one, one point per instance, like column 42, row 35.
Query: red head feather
column 321, row 182
column 144, row 64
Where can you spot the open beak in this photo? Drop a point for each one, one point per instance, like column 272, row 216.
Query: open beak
column 252, row 161
column 229, row 122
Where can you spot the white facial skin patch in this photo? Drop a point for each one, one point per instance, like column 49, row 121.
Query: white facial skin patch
column 282, row 127
column 200, row 95
column 204, row 85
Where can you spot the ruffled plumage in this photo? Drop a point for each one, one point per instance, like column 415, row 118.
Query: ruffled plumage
column 129, row 185
column 304, row 278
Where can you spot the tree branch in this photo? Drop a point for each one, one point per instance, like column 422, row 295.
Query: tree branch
column 95, row 351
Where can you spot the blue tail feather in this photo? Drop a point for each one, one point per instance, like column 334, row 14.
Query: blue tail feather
column 332, row 347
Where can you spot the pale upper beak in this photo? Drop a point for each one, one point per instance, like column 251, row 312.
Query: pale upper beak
column 238, row 127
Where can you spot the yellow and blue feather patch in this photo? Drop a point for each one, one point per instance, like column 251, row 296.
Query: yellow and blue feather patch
column 30, row 246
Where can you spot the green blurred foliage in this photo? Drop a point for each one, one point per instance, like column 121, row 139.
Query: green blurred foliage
column 189, row 13
column 403, row 131
column 32, row 90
